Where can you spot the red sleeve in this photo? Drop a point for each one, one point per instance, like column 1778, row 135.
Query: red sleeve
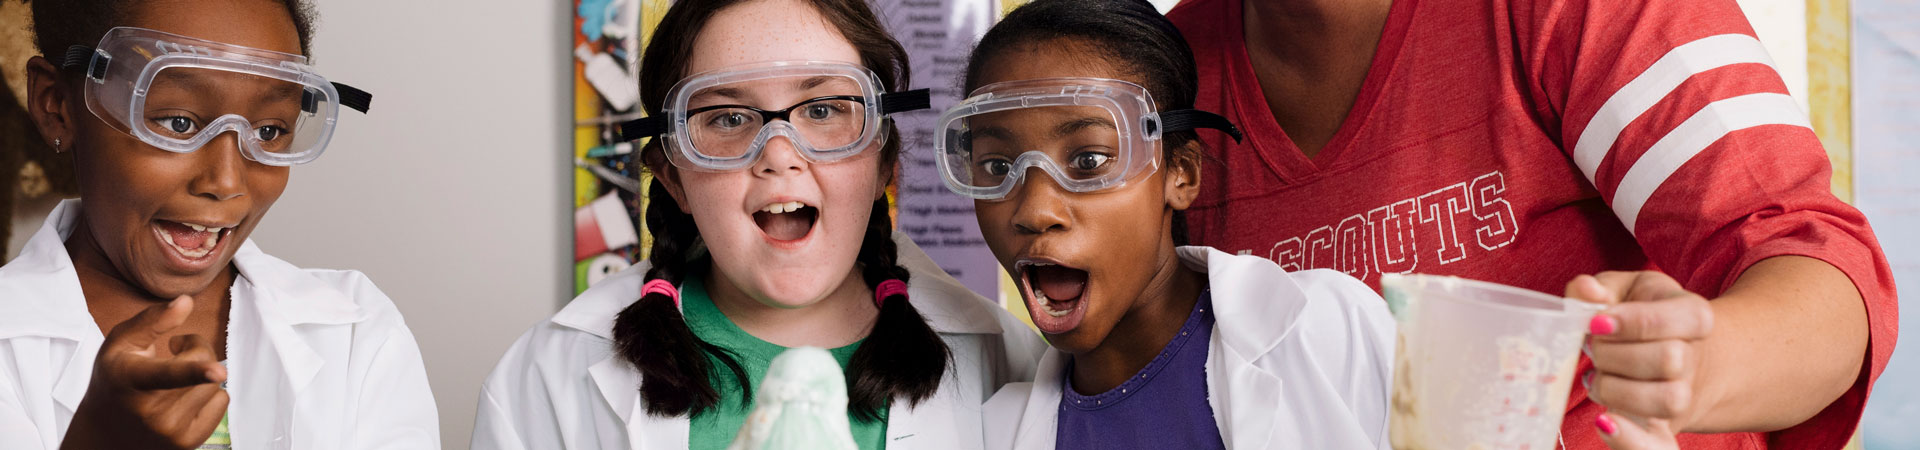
column 1674, row 112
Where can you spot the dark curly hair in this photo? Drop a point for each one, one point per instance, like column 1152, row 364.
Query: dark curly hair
column 59, row 24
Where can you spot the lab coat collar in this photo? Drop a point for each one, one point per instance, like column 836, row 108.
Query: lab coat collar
column 948, row 307
column 1256, row 306
column 1262, row 302
column 286, row 297
column 43, row 290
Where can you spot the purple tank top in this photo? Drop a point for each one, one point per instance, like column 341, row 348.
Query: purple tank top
column 1163, row 406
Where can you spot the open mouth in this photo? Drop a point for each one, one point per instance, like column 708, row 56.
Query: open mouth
column 192, row 242
column 786, row 221
column 1055, row 295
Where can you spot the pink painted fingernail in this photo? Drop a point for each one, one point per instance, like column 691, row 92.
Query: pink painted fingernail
column 1602, row 325
column 1605, row 424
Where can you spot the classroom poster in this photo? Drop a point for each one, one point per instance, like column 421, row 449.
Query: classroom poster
column 938, row 35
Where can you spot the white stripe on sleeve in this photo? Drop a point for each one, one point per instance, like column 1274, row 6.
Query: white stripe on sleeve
column 1715, row 121
column 1660, row 79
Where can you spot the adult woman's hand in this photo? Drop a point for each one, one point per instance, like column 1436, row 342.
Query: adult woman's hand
column 142, row 396
column 1646, row 355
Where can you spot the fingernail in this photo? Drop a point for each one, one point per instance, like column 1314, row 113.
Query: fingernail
column 1602, row 325
column 1605, row 424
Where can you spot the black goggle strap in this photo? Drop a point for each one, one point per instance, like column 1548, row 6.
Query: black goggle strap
column 1193, row 119
column 904, row 101
column 84, row 56
column 892, row 102
column 96, row 64
column 350, row 97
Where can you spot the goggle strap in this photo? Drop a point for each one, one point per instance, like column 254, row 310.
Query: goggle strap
column 353, row 97
column 643, row 127
column 913, row 100
column 1193, row 119
column 82, row 56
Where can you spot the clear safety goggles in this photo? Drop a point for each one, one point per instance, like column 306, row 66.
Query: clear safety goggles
column 721, row 120
column 1089, row 134
column 179, row 93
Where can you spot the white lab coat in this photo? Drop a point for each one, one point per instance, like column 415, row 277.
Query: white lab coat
column 1296, row 360
column 318, row 359
column 561, row 387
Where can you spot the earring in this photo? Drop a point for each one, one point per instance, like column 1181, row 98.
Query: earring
column 56, row 145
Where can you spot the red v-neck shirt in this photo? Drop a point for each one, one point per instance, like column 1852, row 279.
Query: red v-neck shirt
column 1527, row 142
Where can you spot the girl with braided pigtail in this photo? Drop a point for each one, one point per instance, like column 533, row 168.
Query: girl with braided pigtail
column 771, row 155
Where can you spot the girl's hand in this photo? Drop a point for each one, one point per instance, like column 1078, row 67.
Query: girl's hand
column 1646, row 357
column 144, row 397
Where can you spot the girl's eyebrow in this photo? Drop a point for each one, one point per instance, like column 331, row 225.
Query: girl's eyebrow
column 1076, row 125
column 813, row 82
column 727, row 92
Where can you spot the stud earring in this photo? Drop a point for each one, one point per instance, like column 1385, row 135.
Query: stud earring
column 56, row 145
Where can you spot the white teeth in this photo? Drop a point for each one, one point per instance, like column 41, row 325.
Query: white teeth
column 196, row 227
column 1047, row 305
column 783, row 208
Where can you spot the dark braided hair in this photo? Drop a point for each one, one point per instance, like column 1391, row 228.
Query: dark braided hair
column 901, row 357
column 1129, row 35
column 59, row 24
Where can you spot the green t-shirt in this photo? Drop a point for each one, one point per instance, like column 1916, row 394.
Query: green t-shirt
column 716, row 427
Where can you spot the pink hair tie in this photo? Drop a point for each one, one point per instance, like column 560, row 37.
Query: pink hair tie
column 662, row 287
column 889, row 288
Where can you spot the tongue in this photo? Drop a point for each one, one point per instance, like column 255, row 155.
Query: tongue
column 185, row 237
column 788, row 226
column 1060, row 283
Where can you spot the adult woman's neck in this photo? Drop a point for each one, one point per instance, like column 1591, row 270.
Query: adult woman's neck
column 1311, row 58
column 845, row 316
column 1153, row 320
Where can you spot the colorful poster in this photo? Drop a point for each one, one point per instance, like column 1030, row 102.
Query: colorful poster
column 609, row 182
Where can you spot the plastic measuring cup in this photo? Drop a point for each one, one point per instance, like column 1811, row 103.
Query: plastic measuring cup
column 1480, row 365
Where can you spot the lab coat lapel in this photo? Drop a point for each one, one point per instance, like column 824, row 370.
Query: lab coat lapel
column 1037, row 422
column 931, row 425
column 305, row 322
column 44, row 299
column 619, row 386
column 291, row 303
column 1253, row 311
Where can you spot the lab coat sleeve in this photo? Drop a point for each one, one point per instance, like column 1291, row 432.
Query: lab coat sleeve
column 493, row 428
column 539, row 397
column 395, row 408
column 514, row 394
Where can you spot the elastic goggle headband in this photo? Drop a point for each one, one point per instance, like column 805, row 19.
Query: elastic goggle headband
column 721, row 120
column 1088, row 134
column 178, row 93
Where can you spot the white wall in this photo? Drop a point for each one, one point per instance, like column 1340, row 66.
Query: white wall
column 452, row 193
